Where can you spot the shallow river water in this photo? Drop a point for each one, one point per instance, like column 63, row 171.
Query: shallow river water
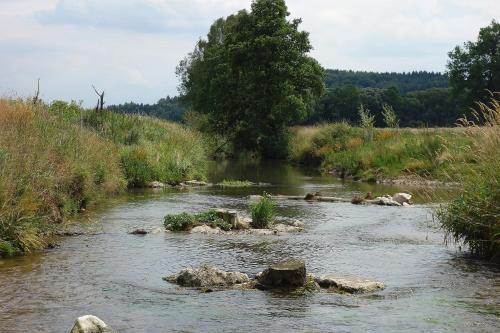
column 118, row 277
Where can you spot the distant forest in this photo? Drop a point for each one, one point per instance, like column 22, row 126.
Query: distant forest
column 167, row 108
column 418, row 98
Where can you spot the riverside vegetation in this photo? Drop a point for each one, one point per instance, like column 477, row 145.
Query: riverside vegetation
column 58, row 159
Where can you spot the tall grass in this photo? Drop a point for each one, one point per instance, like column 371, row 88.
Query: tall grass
column 58, row 159
column 391, row 153
column 49, row 169
column 263, row 212
column 474, row 217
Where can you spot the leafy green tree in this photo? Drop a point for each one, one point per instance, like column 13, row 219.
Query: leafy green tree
column 475, row 67
column 253, row 77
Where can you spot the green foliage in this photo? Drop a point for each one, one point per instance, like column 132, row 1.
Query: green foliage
column 390, row 118
column 137, row 167
column 252, row 77
column 263, row 212
column 185, row 221
column 6, row 249
column 179, row 222
column 404, row 82
column 474, row 68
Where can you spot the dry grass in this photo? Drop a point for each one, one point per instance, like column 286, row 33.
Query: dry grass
column 474, row 217
column 56, row 160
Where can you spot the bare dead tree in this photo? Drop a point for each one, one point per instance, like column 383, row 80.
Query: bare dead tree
column 37, row 93
column 100, row 100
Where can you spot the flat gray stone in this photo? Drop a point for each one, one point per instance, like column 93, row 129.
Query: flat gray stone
column 350, row 284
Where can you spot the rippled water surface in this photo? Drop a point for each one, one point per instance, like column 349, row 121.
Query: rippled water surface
column 117, row 276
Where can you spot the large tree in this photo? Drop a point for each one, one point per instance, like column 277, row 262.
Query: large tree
column 475, row 67
column 252, row 76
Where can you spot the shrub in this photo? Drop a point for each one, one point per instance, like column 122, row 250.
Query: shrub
column 179, row 222
column 367, row 122
column 263, row 212
column 390, row 118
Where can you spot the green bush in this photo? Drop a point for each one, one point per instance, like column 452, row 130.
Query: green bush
column 179, row 222
column 212, row 218
column 263, row 212
column 137, row 167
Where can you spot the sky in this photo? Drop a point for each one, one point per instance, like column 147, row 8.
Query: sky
column 130, row 48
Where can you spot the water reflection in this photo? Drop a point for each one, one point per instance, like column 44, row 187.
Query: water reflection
column 117, row 276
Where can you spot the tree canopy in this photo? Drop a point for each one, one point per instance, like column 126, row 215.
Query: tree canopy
column 475, row 67
column 252, row 76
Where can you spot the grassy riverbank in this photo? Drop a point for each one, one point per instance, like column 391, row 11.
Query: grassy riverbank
column 58, row 159
column 381, row 153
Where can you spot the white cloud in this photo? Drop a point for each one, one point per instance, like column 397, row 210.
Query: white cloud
column 130, row 47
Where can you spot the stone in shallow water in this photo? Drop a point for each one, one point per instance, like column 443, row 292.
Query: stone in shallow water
column 289, row 274
column 206, row 277
column 205, row 229
column 90, row 324
column 138, row 231
column 350, row 284
column 402, row 198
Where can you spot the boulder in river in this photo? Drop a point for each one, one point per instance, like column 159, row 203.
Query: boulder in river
column 402, row 198
column 349, row 284
column 90, row 324
column 207, row 277
column 285, row 275
column 232, row 217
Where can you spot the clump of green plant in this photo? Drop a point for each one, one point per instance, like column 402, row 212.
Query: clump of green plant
column 235, row 183
column 474, row 217
column 213, row 219
column 367, row 122
column 179, row 222
column 390, row 118
column 263, row 212
column 185, row 221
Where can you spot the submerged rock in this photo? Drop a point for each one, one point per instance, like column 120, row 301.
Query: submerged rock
column 207, row 277
column 138, row 231
column 402, row 198
column 350, row 284
column 205, row 229
column 196, row 183
column 284, row 228
column 90, row 324
column 285, row 275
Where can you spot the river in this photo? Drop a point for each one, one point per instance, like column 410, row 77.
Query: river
column 118, row 277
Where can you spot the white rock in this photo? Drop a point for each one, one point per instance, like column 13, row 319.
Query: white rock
column 90, row 324
column 402, row 198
